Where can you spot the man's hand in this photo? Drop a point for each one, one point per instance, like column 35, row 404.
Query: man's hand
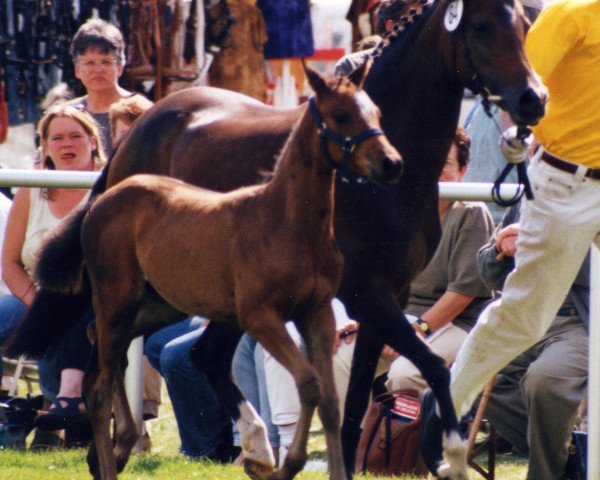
column 513, row 147
column 506, row 240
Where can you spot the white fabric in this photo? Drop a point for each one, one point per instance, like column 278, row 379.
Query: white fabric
column 5, row 205
column 41, row 221
column 556, row 231
column 281, row 388
column 445, row 342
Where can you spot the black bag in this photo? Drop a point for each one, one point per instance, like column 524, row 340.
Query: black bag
column 576, row 468
column 16, row 419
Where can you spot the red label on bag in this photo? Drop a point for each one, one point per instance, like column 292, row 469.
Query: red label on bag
column 407, row 407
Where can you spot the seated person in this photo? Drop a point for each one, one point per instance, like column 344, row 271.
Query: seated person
column 205, row 428
column 445, row 298
column 448, row 294
column 69, row 141
column 536, row 397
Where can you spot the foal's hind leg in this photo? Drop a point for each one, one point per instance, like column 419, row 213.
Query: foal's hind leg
column 212, row 354
column 318, row 331
column 267, row 327
column 113, row 327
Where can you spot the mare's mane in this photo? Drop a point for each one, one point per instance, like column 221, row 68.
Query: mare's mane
column 403, row 33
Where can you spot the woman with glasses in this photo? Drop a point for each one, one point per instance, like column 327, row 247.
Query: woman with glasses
column 98, row 51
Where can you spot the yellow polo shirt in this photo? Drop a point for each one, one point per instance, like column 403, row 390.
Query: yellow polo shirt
column 563, row 46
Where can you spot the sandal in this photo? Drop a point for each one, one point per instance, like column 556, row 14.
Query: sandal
column 58, row 417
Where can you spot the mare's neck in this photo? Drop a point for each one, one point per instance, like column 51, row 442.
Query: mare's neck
column 419, row 96
column 301, row 182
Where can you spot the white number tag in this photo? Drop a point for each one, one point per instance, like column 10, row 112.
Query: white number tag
column 453, row 15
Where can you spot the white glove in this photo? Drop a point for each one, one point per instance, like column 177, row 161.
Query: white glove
column 513, row 148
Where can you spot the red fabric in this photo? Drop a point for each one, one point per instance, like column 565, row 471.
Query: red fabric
column 3, row 115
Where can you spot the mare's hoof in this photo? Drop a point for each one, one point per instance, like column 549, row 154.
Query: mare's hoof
column 454, row 466
column 256, row 470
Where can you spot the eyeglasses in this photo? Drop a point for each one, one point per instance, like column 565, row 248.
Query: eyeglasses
column 93, row 64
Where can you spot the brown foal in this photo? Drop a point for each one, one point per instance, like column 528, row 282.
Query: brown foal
column 258, row 255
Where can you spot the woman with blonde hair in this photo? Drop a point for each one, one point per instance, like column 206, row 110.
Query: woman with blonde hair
column 69, row 140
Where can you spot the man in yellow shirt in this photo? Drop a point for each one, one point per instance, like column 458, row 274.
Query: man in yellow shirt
column 558, row 226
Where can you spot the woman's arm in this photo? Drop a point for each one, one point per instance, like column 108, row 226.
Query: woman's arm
column 13, row 271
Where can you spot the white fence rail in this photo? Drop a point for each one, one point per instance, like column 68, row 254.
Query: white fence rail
column 449, row 191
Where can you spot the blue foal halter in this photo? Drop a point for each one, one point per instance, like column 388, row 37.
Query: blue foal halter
column 348, row 144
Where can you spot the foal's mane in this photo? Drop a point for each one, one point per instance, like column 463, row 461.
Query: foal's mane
column 335, row 83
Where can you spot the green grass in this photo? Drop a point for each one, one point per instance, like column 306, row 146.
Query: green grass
column 165, row 463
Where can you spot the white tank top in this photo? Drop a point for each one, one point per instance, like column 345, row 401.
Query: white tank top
column 41, row 221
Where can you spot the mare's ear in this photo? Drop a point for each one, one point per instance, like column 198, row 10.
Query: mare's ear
column 357, row 77
column 315, row 80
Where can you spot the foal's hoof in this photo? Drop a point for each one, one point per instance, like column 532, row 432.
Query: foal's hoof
column 256, row 470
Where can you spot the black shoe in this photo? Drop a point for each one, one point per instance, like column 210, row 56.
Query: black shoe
column 431, row 433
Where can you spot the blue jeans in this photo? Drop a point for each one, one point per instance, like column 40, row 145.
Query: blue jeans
column 249, row 374
column 198, row 412
column 12, row 311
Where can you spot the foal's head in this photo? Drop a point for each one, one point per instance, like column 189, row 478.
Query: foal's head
column 351, row 134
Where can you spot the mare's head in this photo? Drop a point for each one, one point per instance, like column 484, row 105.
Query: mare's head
column 349, row 126
column 484, row 43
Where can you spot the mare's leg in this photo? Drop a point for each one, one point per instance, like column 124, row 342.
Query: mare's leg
column 384, row 315
column 267, row 327
column 364, row 363
column 318, row 331
column 212, row 354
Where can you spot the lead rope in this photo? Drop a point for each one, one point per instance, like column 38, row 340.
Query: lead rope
column 522, row 177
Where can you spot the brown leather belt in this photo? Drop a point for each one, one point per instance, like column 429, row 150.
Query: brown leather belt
column 568, row 166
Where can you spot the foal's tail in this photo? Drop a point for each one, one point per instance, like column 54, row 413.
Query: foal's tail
column 64, row 295
column 60, row 263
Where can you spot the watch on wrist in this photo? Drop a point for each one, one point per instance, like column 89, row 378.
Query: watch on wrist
column 424, row 327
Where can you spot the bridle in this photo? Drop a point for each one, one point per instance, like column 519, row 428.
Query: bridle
column 348, row 144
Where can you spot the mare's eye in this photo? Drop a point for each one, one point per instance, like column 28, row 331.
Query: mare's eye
column 481, row 28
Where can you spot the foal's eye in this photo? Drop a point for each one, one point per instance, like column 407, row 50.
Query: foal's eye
column 341, row 118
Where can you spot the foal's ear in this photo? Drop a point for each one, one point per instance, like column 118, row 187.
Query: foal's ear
column 315, row 80
column 357, row 77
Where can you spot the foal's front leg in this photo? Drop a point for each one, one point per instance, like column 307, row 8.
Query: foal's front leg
column 267, row 327
column 318, row 331
column 212, row 354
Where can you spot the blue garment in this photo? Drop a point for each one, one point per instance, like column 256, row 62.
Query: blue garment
column 487, row 161
column 248, row 370
column 198, row 412
column 12, row 311
column 73, row 351
column 289, row 28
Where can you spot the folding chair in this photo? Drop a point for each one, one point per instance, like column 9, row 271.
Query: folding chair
column 489, row 443
column 20, row 369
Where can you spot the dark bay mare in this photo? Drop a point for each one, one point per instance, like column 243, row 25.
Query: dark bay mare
column 254, row 256
column 221, row 140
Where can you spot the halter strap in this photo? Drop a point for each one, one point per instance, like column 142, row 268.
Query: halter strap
column 348, row 144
